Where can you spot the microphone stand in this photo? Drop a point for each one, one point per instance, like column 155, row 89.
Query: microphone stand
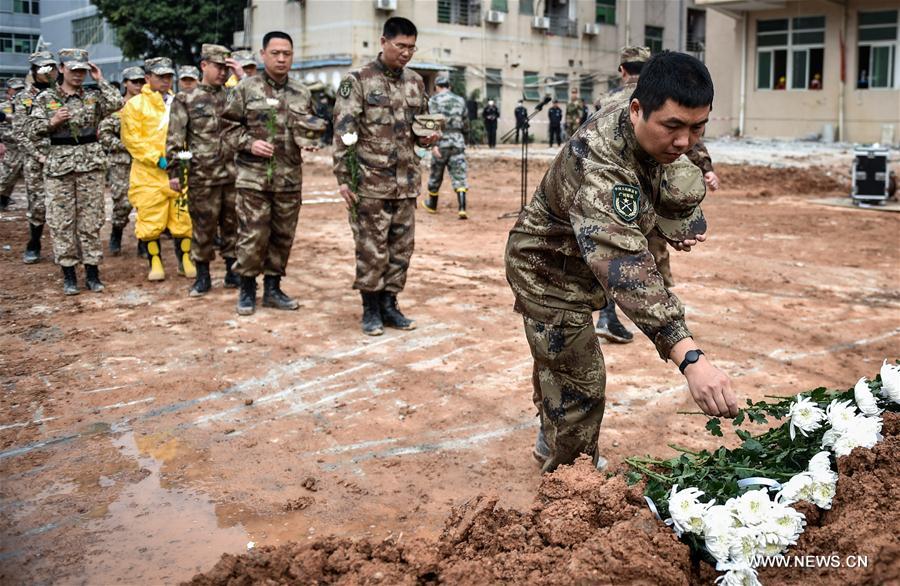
column 523, row 162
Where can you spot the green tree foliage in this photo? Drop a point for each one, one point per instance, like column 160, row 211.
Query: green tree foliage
column 150, row 28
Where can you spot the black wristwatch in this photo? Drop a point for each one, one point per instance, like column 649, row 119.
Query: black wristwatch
column 691, row 357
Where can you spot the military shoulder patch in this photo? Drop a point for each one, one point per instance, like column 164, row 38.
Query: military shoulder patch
column 345, row 89
column 626, row 201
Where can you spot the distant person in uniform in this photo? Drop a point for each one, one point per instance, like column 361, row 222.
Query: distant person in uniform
column 188, row 78
column 491, row 115
column 521, row 119
column 555, row 115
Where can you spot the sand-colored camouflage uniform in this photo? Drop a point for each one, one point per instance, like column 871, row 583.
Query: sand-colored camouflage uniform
column 11, row 162
column 452, row 147
column 574, row 115
column 73, row 172
column 580, row 242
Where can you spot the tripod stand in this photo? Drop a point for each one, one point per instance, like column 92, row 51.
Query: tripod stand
column 523, row 171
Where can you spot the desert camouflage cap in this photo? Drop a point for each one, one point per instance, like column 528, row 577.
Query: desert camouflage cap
column 634, row 55
column 214, row 53
column 159, row 66
column 15, row 83
column 244, row 58
column 130, row 73
column 679, row 216
column 442, row 79
column 74, row 59
column 41, row 58
column 188, row 72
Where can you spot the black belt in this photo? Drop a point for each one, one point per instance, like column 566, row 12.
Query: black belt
column 72, row 140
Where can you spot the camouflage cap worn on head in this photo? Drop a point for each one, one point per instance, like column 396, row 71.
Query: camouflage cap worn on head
column 244, row 58
column 214, row 53
column 442, row 79
column 679, row 216
column 132, row 73
column 15, row 83
column 159, row 66
column 41, row 58
column 634, row 55
column 427, row 124
column 74, row 59
column 188, row 72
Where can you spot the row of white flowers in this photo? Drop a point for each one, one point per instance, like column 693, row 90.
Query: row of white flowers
column 754, row 525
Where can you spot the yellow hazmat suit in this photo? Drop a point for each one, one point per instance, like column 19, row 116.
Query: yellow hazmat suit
column 145, row 122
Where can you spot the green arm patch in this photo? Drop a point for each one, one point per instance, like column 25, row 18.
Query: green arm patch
column 626, row 201
column 345, row 89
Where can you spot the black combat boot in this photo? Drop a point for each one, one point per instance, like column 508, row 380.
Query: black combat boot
column 142, row 250
column 115, row 240
column 609, row 326
column 390, row 313
column 202, row 284
column 247, row 296
column 4, row 202
column 461, row 198
column 92, row 278
column 232, row 281
column 431, row 202
column 273, row 296
column 70, row 281
column 371, row 318
column 33, row 248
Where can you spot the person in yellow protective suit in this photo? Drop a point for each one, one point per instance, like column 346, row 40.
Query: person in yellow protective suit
column 145, row 123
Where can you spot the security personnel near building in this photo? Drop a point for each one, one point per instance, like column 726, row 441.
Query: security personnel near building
column 554, row 115
column 188, row 78
column 196, row 125
column 11, row 162
column 75, row 166
column 379, row 103
column 450, row 152
column 119, row 160
column 491, row 115
column 266, row 109
column 34, row 154
column 581, row 241
column 521, row 115
column 145, row 123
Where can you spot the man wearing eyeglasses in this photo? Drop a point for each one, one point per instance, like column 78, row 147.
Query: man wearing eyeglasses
column 378, row 103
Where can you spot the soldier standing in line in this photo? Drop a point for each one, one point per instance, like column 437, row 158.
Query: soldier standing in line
column 11, row 163
column 582, row 239
column 119, row 161
column 450, row 152
column 632, row 60
column 244, row 59
column 521, row 115
column 196, row 125
column 73, row 173
column 44, row 74
column 554, row 115
column 574, row 113
column 491, row 115
column 188, row 78
column 379, row 103
column 266, row 108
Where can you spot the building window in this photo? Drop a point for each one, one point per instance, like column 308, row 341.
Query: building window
column 531, row 90
column 87, row 31
column 464, row 12
column 493, row 81
column 653, row 38
column 790, row 53
column 526, row 7
column 26, row 6
column 696, row 31
column 561, row 87
column 15, row 43
column 586, row 89
column 877, row 50
column 499, row 5
column 605, row 11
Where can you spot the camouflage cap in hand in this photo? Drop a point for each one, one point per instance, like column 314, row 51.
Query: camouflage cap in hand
column 214, row 53
column 428, row 124
column 634, row 55
column 74, row 59
column 309, row 129
column 159, row 66
column 678, row 216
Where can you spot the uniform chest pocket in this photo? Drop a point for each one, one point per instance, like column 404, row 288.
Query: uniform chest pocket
column 378, row 108
column 413, row 105
column 257, row 112
column 202, row 111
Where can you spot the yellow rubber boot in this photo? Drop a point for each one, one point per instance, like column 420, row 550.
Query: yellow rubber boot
column 183, row 250
column 430, row 203
column 461, row 197
column 157, row 272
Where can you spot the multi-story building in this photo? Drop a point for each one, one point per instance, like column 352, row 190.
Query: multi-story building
column 790, row 68
column 20, row 29
column 503, row 49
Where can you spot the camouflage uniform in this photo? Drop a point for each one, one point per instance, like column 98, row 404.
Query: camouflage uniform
column 379, row 105
column 452, row 144
column 119, row 168
column 580, row 242
column 267, row 208
column 34, row 154
column 574, row 115
column 11, row 163
column 73, row 173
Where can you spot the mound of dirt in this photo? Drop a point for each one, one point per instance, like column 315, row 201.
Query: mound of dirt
column 769, row 181
column 585, row 528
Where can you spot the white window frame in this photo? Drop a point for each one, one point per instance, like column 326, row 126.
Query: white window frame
column 790, row 48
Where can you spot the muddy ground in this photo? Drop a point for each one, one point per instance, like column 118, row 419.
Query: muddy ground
column 144, row 433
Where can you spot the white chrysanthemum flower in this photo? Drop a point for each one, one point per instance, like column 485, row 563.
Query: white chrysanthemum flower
column 860, row 432
column 719, row 524
column 737, row 575
column 786, row 522
column 823, row 493
column 865, row 400
column 821, row 462
column 890, row 381
column 798, row 488
column 746, row 545
column 272, row 102
column 349, row 139
column 184, row 155
column 805, row 415
column 686, row 510
column 753, row 507
column 840, row 414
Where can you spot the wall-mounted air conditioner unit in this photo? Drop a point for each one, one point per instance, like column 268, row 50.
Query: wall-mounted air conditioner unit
column 540, row 23
column 494, row 16
column 591, row 29
column 386, row 5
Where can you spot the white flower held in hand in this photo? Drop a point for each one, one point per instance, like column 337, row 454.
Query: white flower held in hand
column 184, row 155
column 805, row 415
column 865, row 400
column 349, row 139
column 890, row 381
column 272, row 102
